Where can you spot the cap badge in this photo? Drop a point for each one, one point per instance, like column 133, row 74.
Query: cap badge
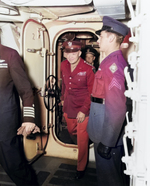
column 70, row 44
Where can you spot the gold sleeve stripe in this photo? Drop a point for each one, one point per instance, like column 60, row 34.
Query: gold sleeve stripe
column 28, row 112
column 3, row 65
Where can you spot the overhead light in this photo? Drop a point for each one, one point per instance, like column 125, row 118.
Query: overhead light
column 17, row 2
column 8, row 10
column 84, row 36
column 46, row 2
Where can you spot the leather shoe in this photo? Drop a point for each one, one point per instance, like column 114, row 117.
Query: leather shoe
column 79, row 175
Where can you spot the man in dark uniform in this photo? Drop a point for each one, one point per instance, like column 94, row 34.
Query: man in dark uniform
column 108, row 106
column 14, row 82
column 91, row 56
column 77, row 83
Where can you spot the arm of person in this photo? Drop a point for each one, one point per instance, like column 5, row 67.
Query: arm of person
column 23, row 86
column 80, row 117
column 28, row 128
column 115, row 107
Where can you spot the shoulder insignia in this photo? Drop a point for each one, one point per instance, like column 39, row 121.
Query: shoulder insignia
column 113, row 68
column 88, row 63
column 94, row 70
column 114, row 83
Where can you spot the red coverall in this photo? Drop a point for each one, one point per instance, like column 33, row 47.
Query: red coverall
column 76, row 92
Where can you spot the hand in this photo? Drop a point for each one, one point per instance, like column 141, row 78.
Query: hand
column 80, row 117
column 62, row 103
column 104, row 151
column 27, row 128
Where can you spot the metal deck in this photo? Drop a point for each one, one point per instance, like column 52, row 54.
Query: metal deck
column 56, row 172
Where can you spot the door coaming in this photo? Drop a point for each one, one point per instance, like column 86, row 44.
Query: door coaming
column 56, row 147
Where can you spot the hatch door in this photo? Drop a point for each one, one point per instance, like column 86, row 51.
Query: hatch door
column 35, row 52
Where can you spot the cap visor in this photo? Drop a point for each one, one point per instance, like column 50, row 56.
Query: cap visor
column 98, row 32
column 68, row 50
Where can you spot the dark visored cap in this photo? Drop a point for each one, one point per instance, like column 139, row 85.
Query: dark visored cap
column 72, row 46
column 90, row 51
column 112, row 25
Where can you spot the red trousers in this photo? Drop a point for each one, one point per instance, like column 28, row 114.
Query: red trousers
column 79, row 129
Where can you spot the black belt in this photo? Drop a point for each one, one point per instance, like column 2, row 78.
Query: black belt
column 97, row 100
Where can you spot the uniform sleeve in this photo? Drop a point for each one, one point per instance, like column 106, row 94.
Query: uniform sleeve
column 23, row 86
column 90, row 79
column 115, row 107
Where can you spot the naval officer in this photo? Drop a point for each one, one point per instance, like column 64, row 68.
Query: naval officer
column 14, row 83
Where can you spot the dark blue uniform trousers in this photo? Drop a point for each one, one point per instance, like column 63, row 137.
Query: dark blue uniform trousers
column 110, row 172
column 14, row 163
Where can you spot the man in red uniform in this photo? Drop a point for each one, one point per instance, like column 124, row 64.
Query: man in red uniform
column 108, row 106
column 77, row 83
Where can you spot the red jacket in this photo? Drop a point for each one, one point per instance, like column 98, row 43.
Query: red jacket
column 76, row 88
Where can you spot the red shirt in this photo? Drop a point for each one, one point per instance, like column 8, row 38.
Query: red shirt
column 76, row 87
